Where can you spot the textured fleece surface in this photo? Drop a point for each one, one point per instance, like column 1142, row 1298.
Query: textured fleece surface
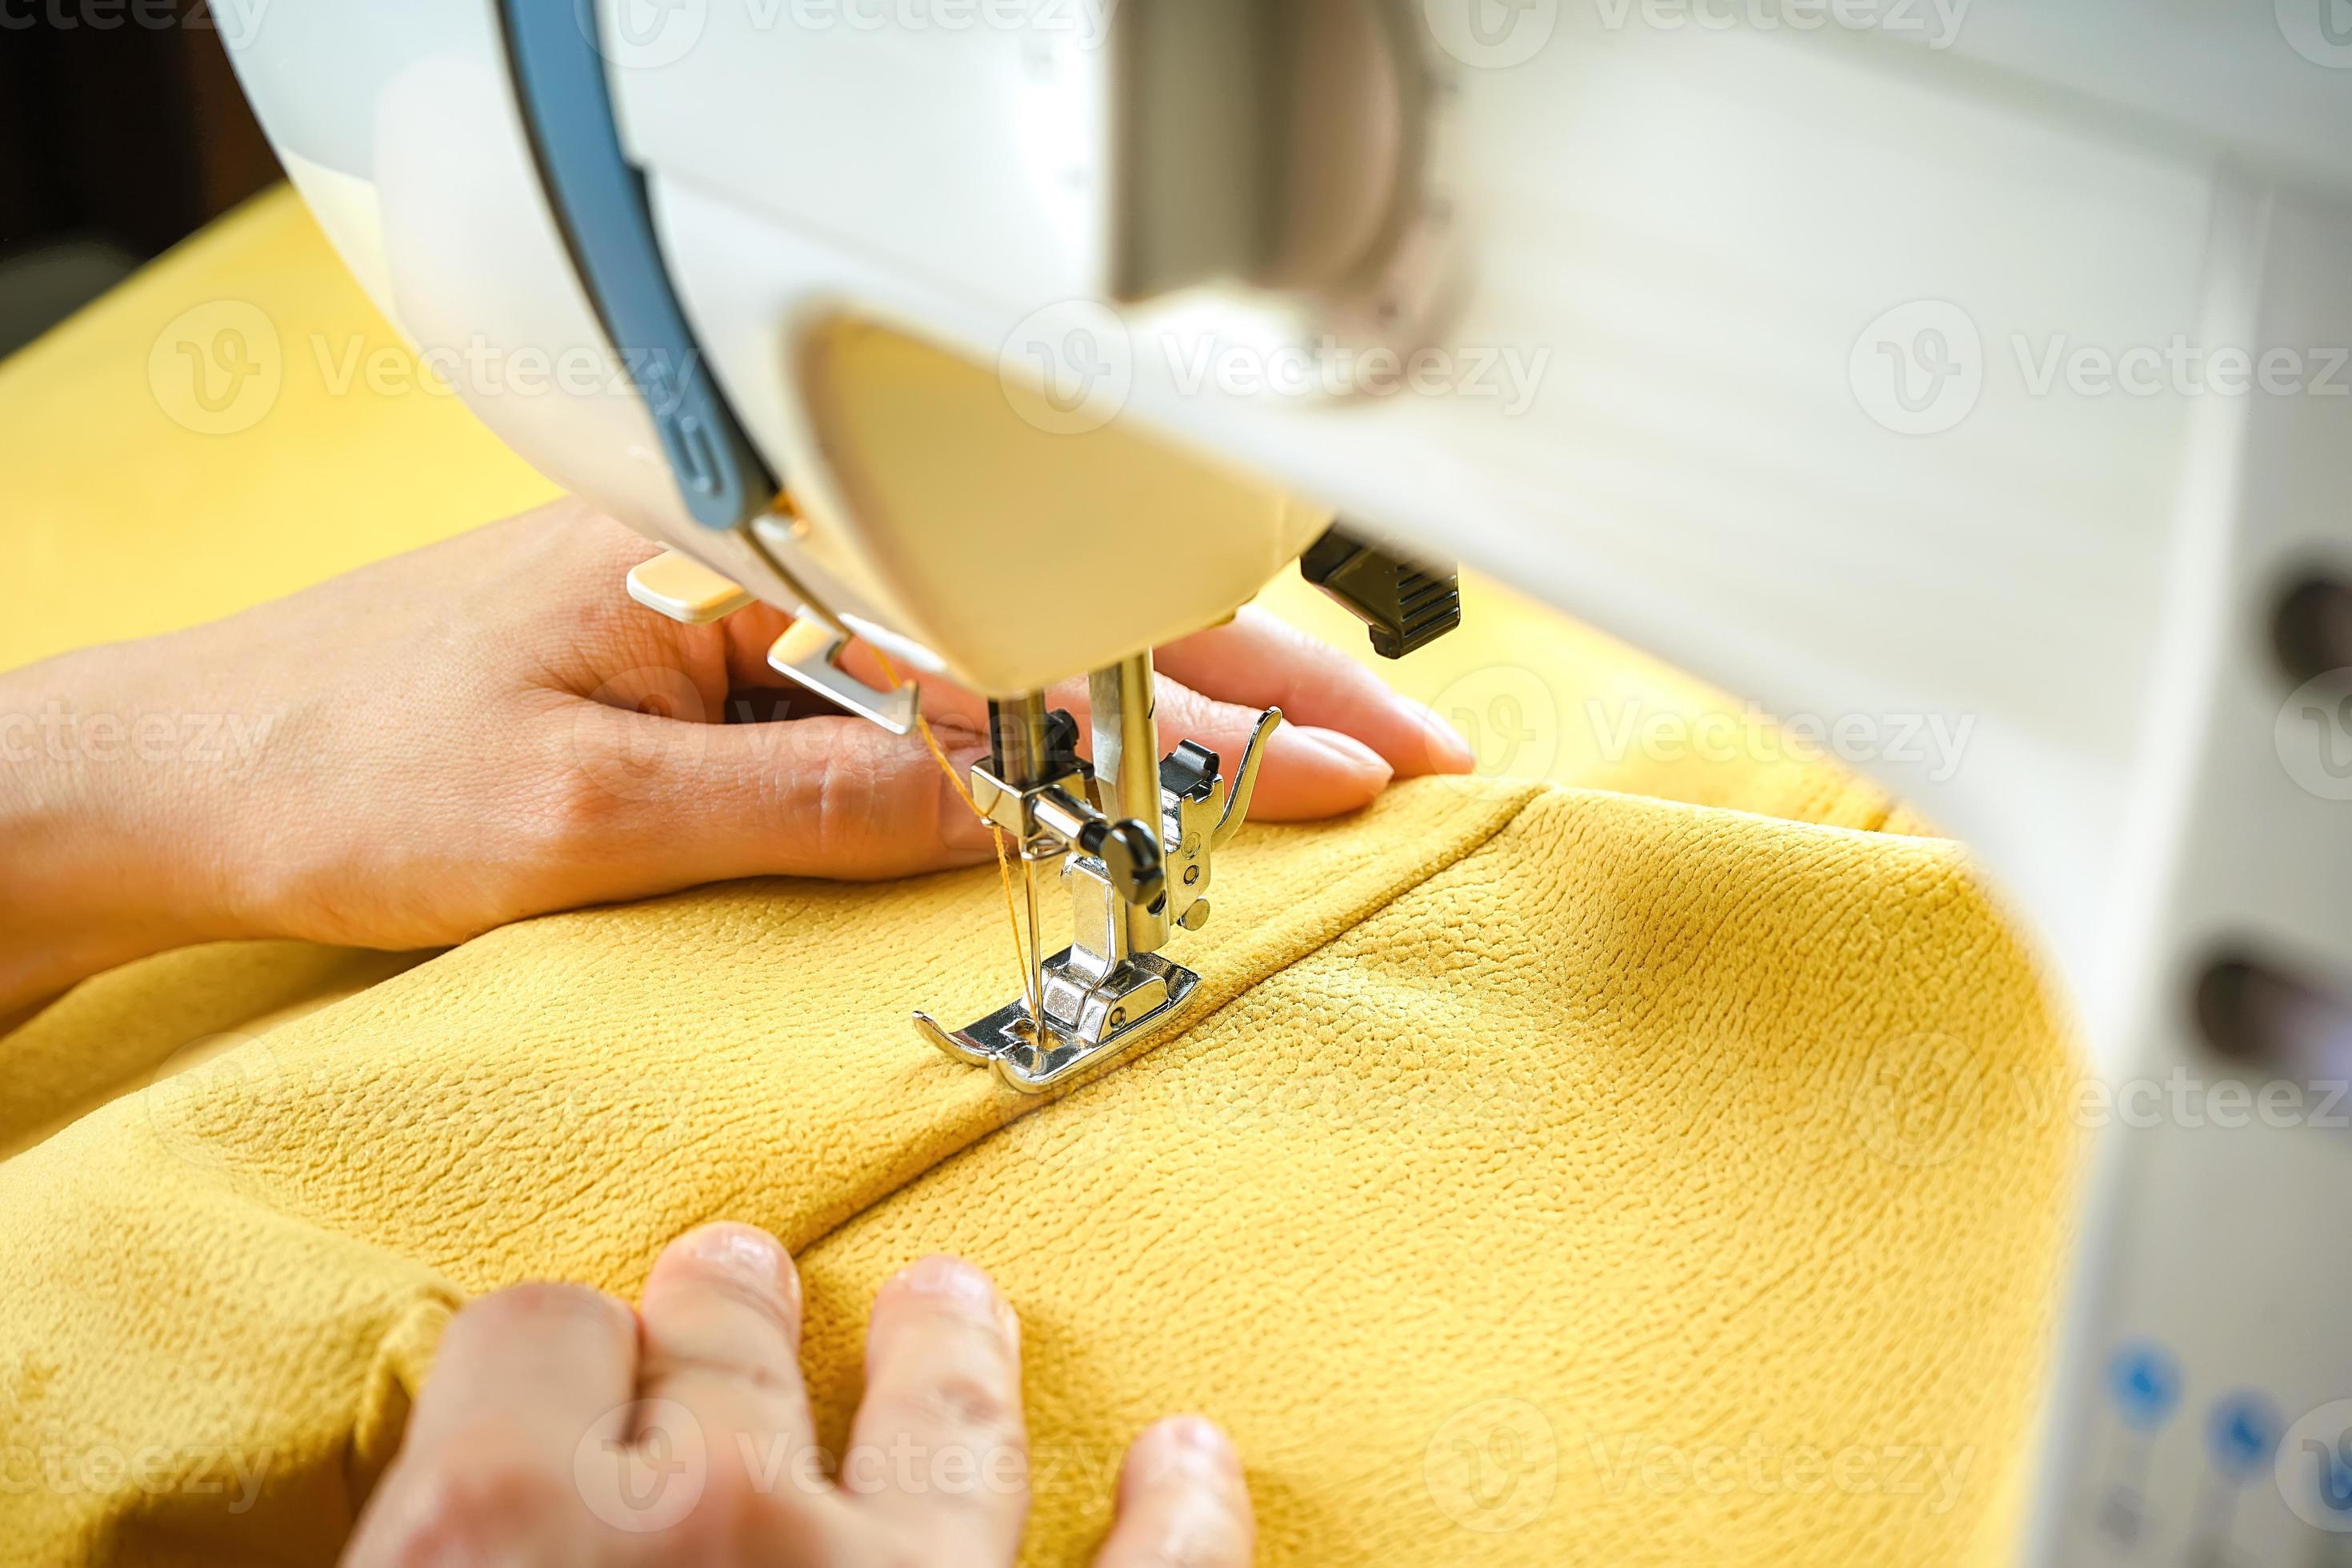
column 1543, row 1175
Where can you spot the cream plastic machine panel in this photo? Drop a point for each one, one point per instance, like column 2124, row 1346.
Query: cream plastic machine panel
column 402, row 134
column 1020, row 529
column 937, row 457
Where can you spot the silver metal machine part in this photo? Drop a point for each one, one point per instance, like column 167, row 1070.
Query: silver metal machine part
column 1135, row 841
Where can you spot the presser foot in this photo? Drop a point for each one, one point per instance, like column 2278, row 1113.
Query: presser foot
column 1086, row 1025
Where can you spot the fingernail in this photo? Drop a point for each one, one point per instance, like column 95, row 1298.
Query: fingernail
column 748, row 1254
column 1334, row 746
column 958, row 1286
column 1448, row 751
column 1184, row 1445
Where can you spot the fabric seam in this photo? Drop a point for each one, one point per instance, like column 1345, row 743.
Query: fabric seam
column 1468, row 847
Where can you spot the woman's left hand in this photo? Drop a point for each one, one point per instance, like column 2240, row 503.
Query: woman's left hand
column 488, row 729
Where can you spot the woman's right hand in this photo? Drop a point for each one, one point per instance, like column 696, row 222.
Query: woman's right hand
column 559, row 1427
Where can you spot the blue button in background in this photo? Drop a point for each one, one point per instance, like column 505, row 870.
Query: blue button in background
column 2145, row 1382
column 2242, row 1433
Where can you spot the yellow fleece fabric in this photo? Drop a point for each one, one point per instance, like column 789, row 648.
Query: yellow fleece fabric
column 1542, row 1174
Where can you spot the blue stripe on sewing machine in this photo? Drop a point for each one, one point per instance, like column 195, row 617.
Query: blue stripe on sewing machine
column 600, row 202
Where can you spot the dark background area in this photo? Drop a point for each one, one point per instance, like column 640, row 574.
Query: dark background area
column 122, row 131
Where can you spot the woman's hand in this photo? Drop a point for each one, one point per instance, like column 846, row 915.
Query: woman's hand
column 435, row 745
column 558, row 1427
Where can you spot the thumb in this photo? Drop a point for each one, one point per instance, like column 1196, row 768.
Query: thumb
column 834, row 797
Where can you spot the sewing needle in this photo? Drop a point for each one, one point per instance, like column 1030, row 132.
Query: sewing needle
column 1037, row 970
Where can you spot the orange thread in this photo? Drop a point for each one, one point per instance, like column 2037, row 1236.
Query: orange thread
column 995, row 837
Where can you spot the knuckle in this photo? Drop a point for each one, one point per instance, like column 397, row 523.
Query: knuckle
column 726, row 1296
column 853, row 804
column 1211, row 1532
column 926, row 1538
column 974, row 1406
column 737, row 1520
column 521, row 1319
column 902, row 1545
column 733, row 1369
column 1188, row 1552
column 478, row 1494
column 875, row 809
column 530, row 1309
column 578, row 792
column 863, row 806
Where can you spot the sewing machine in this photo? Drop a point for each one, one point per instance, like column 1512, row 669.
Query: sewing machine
column 1913, row 369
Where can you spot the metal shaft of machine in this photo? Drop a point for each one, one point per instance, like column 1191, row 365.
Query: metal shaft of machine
column 1018, row 742
column 1016, row 738
column 1126, row 741
column 1127, row 765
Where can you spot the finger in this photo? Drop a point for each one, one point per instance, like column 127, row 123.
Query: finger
column 1308, row 774
column 544, row 1366
column 524, row 1384
column 750, row 631
column 1259, row 661
column 1181, row 1501
column 654, row 804
column 1345, row 736
column 939, row 1440
column 594, row 617
column 722, row 1336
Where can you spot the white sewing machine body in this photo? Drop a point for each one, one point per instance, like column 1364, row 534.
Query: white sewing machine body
column 1774, row 347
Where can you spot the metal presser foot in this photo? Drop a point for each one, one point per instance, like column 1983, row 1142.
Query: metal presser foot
column 1133, row 836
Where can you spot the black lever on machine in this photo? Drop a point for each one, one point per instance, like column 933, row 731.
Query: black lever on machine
column 1407, row 605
